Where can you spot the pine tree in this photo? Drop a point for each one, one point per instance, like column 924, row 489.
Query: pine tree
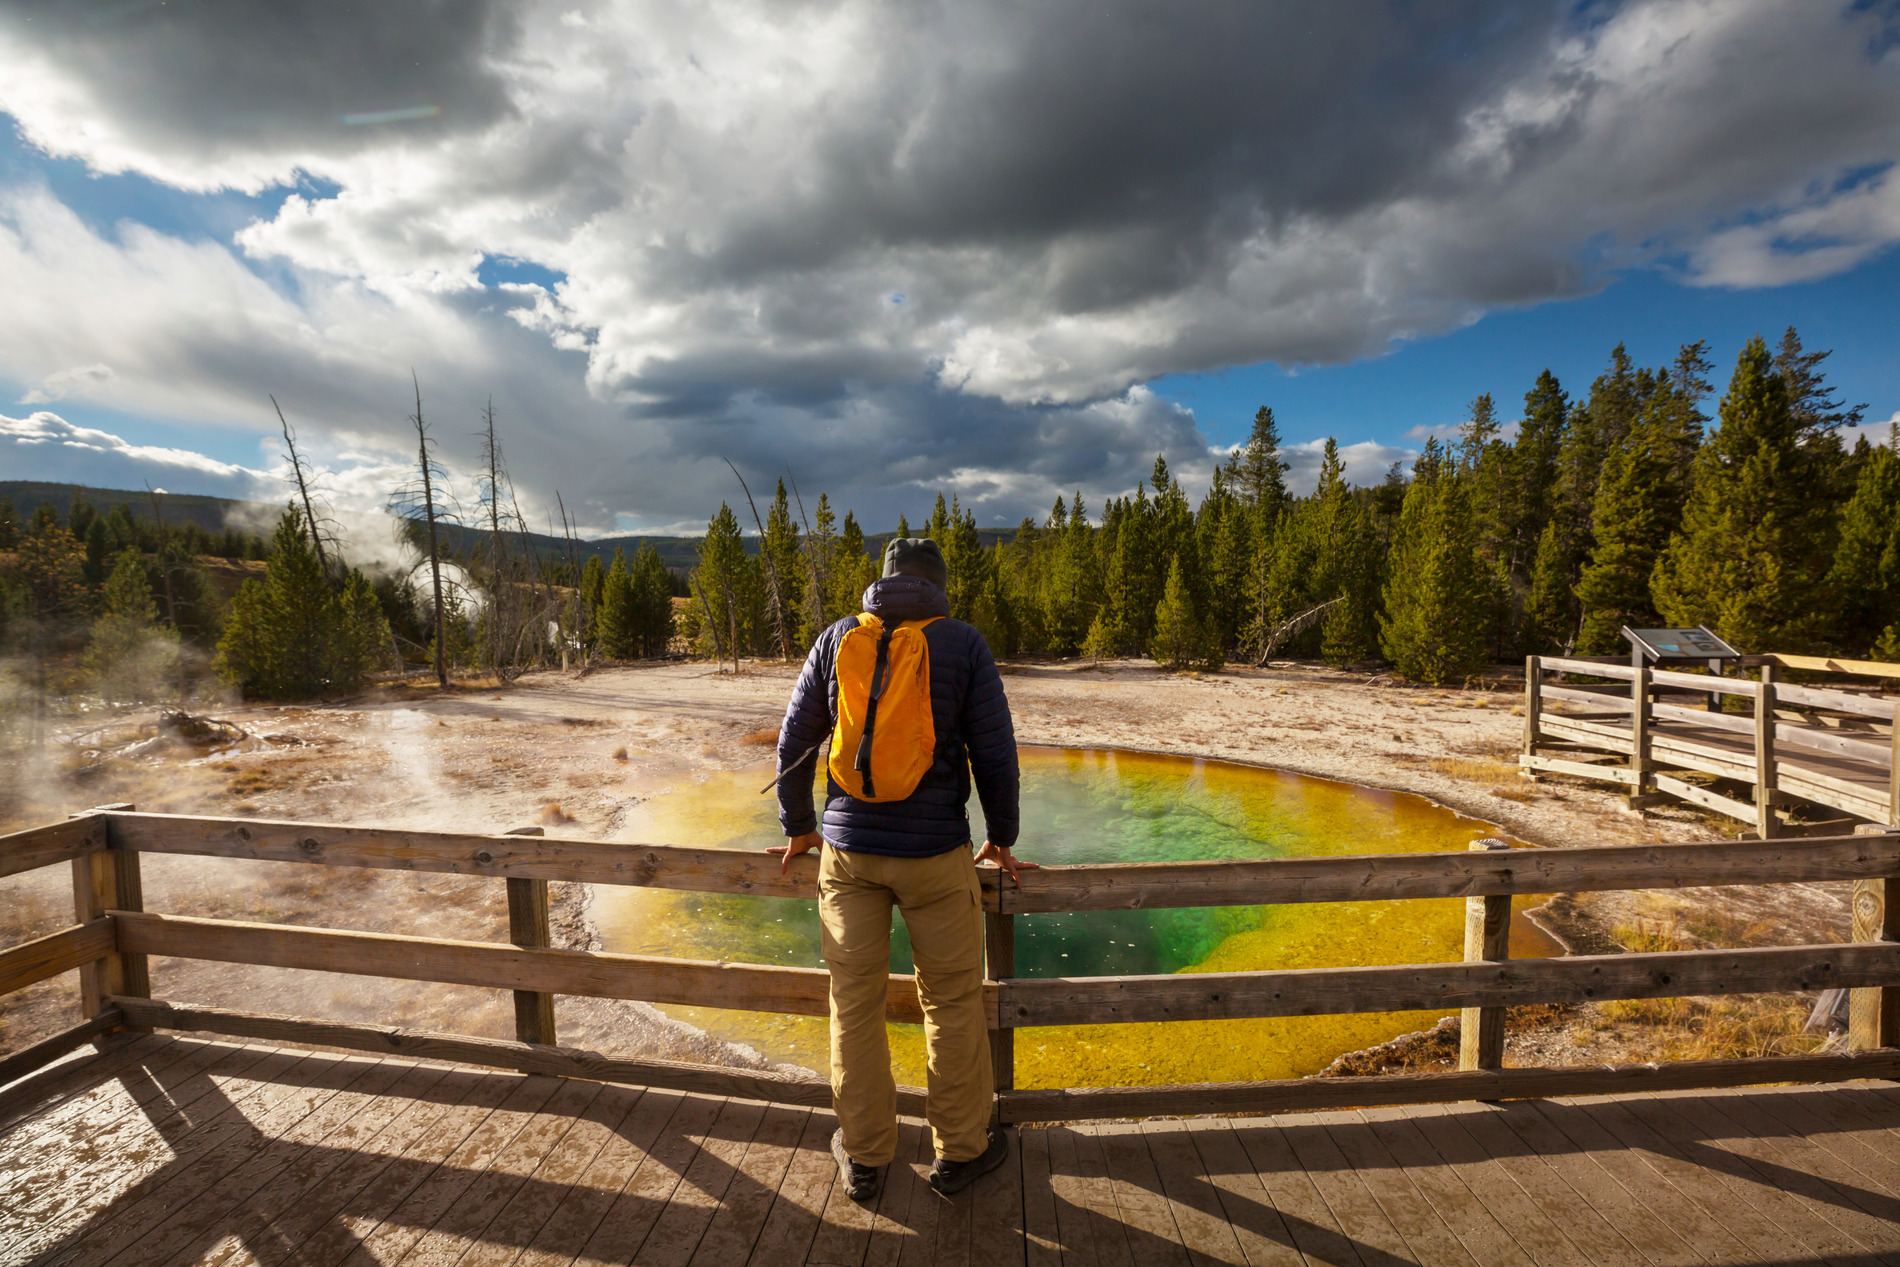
column 98, row 552
column 1540, row 437
column 128, row 655
column 1438, row 592
column 80, row 515
column 618, row 625
column 1632, row 493
column 783, row 557
column 725, row 586
column 1756, row 539
column 650, row 602
column 9, row 524
column 592, row 587
column 821, row 563
column 1477, row 432
column 853, row 570
column 293, row 635
column 1550, row 617
column 1864, row 579
column 1182, row 638
column 1350, row 632
column 1262, row 472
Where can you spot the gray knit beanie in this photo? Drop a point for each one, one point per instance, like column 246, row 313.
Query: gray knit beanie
column 916, row 556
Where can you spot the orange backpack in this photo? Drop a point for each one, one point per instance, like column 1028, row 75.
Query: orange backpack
column 886, row 739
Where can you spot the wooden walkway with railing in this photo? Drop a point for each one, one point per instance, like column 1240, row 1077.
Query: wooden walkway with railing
column 1837, row 748
column 151, row 1144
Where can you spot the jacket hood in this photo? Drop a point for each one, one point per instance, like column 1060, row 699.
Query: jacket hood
column 897, row 598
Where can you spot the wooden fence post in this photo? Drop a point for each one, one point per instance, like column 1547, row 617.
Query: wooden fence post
column 999, row 959
column 1765, row 823
column 1487, row 937
column 1639, row 735
column 1533, row 704
column 1873, row 1012
column 109, row 881
column 1893, row 773
column 528, row 927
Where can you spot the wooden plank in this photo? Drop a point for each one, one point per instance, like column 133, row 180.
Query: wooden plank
column 465, row 1223
column 905, row 1225
column 1113, row 1245
column 1310, row 1224
column 1476, row 1227
column 623, row 1150
column 1587, row 668
column 1084, row 1215
column 1704, row 797
column 1153, row 1234
column 1806, row 780
column 1709, row 684
column 1834, row 664
column 645, row 1193
column 1580, row 769
column 1263, row 1235
column 1595, row 699
column 751, row 987
column 47, row 1050
column 997, row 1234
column 1533, row 702
column 1042, row 1232
column 1873, row 1013
column 48, row 956
column 1300, row 1095
column 1752, row 1222
column 689, row 1211
column 571, row 1062
column 1192, row 1200
column 1790, row 1163
column 1201, row 996
column 369, row 1185
column 311, row 1176
column 1728, row 723
column 1597, row 734
column 53, row 1091
column 1642, row 727
column 428, row 1201
column 1766, row 824
column 844, row 1226
column 51, row 843
column 277, row 1092
column 532, row 1223
column 1803, row 1229
column 1487, row 940
column 1386, row 877
column 800, row 1203
column 1875, row 706
column 1865, row 1153
column 1515, row 1197
column 1648, row 1188
column 195, row 1223
column 1348, row 1195
column 999, row 963
column 1667, row 750
column 464, row 853
column 95, row 892
column 749, row 1197
column 1873, row 752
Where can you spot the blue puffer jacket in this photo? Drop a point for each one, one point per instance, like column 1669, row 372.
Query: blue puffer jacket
column 969, row 709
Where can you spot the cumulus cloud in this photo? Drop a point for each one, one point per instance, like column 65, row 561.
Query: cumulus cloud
column 899, row 245
column 55, row 449
column 77, row 381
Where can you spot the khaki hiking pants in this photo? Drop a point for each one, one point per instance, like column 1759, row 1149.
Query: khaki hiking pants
column 943, row 908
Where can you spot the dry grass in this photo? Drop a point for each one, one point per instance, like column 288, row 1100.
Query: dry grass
column 620, row 753
column 1711, row 1028
column 761, row 738
column 553, row 815
column 1494, row 772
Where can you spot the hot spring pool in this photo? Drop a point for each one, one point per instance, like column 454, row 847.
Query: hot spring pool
column 1098, row 806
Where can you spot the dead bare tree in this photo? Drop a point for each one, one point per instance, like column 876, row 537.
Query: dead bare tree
column 819, row 578
column 1280, row 634
column 780, row 617
column 300, row 476
column 423, row 504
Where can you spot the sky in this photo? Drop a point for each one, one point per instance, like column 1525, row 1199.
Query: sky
column 891, row 249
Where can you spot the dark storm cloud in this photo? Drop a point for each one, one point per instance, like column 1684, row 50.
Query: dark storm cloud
column 891, row 244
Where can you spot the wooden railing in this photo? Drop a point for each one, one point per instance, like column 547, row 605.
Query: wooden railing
column 112, row 936
column 1785, row 727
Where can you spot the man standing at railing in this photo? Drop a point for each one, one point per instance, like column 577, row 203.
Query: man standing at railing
column 913, row 706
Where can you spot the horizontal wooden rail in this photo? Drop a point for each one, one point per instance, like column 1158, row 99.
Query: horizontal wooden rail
column 47, row 1050
column 1873, row 751
column 1709, row 683
column 1216, row 996
column 1879, row 707
column 1580, row 769
column 1832, row 664
column 494, row 1053
column 53, row 843
column 1306, row 1095
column 1384, row 877
column 1591, row 668
column 1734, row 723
column 1614, row 703
column 461, row 853
column 54, row 953
column 1697, row 795
column 682, row 982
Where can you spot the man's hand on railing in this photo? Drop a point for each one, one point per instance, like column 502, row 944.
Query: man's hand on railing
column 1002, row 858
column 795, row 846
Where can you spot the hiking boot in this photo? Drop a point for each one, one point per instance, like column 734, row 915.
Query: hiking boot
column 950, row 1177
column 861, row 1183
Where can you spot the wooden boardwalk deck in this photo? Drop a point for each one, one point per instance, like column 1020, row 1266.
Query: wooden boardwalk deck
column 176, row 1150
